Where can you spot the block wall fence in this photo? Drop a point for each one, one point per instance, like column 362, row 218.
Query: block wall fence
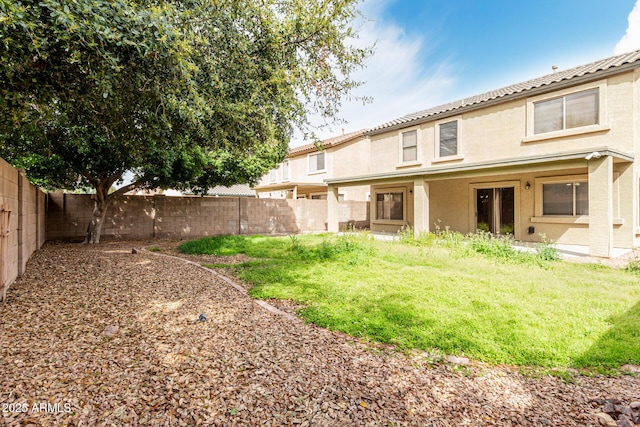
column 134, row 217
column 25, row 231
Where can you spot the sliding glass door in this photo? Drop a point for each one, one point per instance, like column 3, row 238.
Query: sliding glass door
column 495, row 210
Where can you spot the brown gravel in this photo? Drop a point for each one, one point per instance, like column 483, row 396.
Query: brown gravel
column 110, row 337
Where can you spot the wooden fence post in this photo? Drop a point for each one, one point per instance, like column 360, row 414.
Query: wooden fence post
column 5, row 227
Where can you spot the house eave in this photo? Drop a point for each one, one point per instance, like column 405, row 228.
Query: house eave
column 525, row 93
column 482, row 166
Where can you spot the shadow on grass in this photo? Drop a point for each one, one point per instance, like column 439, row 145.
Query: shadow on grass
column 619, row 345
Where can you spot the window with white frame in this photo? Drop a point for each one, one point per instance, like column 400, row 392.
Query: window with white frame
column 317, row 162
column 273, row 175
column 285, row 170
column 567, row 112
column 389, row 206
column 410, row 146
column 565, row 198
column 448, row 139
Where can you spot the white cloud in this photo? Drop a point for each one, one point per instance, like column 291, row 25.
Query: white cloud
column 394, row 76
column 631, row 40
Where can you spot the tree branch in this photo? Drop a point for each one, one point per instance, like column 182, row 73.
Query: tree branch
column 120, row 191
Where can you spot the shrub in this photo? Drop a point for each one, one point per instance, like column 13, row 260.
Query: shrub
column 500, row 247
column 633, row 266
column 545, row 250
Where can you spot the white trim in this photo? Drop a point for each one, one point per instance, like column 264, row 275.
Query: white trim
column 275, row 173
column 448, row 159
column 567, row 132
column 282, row 166
column 603, row 117
column 436, row 140
column 418, row 160
column 317, row 153
column 408, row 164
column 579, row 219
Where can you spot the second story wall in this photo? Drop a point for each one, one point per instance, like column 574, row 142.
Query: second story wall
column 508, row 130
column 345, row 159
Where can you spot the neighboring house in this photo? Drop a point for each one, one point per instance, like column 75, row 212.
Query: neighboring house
column 238, row 190
column 554, row 155
column 303, row 172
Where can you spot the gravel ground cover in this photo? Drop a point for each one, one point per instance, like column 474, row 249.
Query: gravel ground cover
column 96, row 335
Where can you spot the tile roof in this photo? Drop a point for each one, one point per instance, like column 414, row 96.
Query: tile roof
column 555, row 77
column 331, row 142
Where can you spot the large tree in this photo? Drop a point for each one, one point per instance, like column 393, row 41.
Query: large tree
column 182, row 94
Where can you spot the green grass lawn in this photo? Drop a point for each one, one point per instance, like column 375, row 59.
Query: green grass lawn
column 448, row 295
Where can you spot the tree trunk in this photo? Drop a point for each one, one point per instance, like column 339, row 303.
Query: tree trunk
column 97, row 219
column 101, row 201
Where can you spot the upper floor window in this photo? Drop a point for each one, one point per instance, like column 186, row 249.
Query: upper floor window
column 566, row 198
column 273, row 175
column 448, row 143
column 567, row 112
column 285, row 170
column 410, row 146
column 317, row 162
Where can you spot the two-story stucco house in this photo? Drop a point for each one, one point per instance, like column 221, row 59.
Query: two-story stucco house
column 554, row 155
column 302, row 174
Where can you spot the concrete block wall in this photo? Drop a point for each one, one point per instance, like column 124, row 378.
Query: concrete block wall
column 187, row 217
column 27, row 222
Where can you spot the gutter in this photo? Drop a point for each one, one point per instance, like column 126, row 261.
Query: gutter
column 479, row 166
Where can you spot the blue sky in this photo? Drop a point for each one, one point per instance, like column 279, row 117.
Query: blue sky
column 431, row 52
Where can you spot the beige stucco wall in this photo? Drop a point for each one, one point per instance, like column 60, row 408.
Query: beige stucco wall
column 452, row 203
column 501, row 131
column 347, row 159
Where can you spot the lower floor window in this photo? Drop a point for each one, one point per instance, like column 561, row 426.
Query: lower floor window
column 389, row 206
column 567, row 198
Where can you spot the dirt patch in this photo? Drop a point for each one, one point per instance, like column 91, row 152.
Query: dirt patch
column 107, row 337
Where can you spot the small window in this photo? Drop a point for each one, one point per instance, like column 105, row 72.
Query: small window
column 448, row 139
column 318, row 197
column 285, row 170
column 567, row 112
column 410, row 146
column 567, row 198
column 316, row 162
column 389, row 206
column 342, row 197
column 273, row 175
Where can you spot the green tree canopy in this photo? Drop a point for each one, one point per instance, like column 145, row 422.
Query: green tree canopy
column 183, row 94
